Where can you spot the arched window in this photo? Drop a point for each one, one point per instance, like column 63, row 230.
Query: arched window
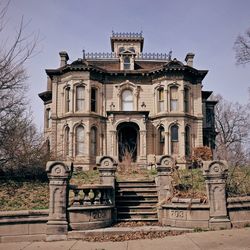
column 160, row 100
column 187, row 141
column 161, row 140
column 93, row 141
column 121, row 49
column 174, row 139
column 80, row 91
column 67, row 99
column 48, row 118
column 79, row 140
column 132, row 49
column 66, row 141
column 126, row 62
column 173, row 98
column 127, row 100
column 93, row 100
column 186, row 100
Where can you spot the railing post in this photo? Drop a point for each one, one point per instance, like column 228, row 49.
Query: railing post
column 215, row 174
column 59, row 174
column 165, row 166
column 107, row 167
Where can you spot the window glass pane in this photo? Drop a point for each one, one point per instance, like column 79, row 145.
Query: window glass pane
column 173, row 98
column 127, row 100
column 66, row 141
column 186, row 100
column 174, row 133
column 126, row 62
column 93, row 100
column 80, row 98
column 79, row 140
column 48, row 122
column 173, row 92
column 93, row 141
column 187, row 141
column 67, row 100
column 173, row 105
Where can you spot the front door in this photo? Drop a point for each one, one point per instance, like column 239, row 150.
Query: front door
column 128, row 141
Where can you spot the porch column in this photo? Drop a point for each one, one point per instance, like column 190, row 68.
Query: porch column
column 166, row 144
column 113, row 134
column 143, row 145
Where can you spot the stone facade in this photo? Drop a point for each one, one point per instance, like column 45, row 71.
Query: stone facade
column 126, row 100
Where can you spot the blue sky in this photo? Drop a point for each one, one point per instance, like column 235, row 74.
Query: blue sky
column 206, row 28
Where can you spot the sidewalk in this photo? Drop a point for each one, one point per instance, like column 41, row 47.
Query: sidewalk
column 234, row 239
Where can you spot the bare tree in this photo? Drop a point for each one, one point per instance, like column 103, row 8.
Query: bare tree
column 20, row 144
column 242, row 48
column 232, row 121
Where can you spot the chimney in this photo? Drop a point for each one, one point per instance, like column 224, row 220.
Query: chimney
column 64, row 58
column 189, row 59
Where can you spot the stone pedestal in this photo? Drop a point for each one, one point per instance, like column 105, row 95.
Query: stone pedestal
column 58, row 174
column 215, row 174
column 107, row 167
column 165, row 165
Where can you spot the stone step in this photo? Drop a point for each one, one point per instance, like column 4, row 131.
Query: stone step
column 130, row 199
column 137, row 212
column 136, row 189
column 136, row 208
column 137, row 219
column 135, row 184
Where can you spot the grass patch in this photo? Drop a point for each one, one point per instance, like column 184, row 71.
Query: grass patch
column 238, row 182
column 86, row 177
column 134, row 172
column 23, row 195
column 189, row 183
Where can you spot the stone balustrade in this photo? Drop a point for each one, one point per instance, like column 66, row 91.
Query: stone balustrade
column 92, row 195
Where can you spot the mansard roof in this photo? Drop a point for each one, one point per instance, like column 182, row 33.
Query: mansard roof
column 112, row 65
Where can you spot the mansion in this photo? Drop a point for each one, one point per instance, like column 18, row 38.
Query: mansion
column 126, row 102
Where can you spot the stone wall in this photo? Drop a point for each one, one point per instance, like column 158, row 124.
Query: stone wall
column 239, row 211
column 27, row 225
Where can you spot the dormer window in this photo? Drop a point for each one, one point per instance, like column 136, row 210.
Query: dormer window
column 121, row 49
column 126, row 63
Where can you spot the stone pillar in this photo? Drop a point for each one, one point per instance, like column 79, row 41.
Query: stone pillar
column 59, row 174
column 165, row 166
column 215, row 174
column 107, row 167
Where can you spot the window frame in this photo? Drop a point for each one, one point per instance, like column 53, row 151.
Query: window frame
column 93, row 100
column 79, row 142
column 126, row 65
column 173, row 108
column 67, row 99
column 66, row 140
column 124, row 102
column 93, row 141
column 174, row 139
column 80, row 99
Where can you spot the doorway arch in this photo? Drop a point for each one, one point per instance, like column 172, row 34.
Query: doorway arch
column 128, row 140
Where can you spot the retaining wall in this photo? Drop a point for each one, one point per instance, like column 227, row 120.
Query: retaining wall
column 23, row 225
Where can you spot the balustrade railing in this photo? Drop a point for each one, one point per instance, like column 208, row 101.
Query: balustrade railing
column 91, row 195
column 140, row 56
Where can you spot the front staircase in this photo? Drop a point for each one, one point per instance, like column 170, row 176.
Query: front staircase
column 136, row 201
